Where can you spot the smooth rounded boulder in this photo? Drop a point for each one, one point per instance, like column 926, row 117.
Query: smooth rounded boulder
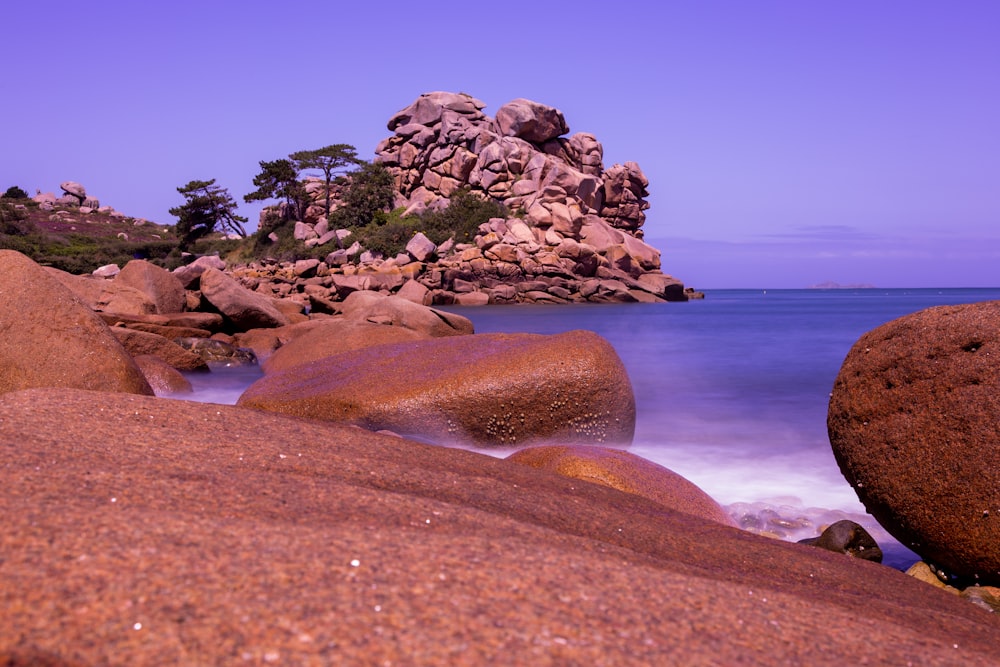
column 914, row 422
column 48, row 338
column 626, row 472
column 335, row 336
column 145, row 531
column 486, row 389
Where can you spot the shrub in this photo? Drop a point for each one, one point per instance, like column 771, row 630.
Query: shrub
column 462, row 218
column 14, row 192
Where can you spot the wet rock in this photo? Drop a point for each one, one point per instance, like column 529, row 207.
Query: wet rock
column 48, row 338
column 626, row 472
column 490, row 389
column 162, row 377
column 849, row 538
column 914, row 420
column 140, row 343
column 217, row 352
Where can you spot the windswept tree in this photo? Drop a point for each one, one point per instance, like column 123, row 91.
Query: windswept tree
column 206, row 207
column 331, row 161
column 279, row 179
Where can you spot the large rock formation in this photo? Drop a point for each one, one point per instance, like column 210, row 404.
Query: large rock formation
column 914, row 421
column 141, row 531
column 574, row 231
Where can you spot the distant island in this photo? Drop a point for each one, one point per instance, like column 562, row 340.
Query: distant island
column 832, row 285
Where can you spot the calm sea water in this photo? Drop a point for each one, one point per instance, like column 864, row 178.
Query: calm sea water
column 732, row 391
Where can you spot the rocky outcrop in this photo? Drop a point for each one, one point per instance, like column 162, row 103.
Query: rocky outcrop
column 575, row 228
column 48, row 338
column 141, row 531
column 914, row 422
column 161, row 286
column 626, row 472
column 243, row 308
column 487, row 389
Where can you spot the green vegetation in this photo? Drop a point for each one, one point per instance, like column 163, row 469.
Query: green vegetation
column 206, row 207
column 388, row 233
column 359, row 200
column 329, row 160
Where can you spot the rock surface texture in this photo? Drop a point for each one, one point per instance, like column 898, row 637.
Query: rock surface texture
column 49, row 338
column 626, row 472
column 914, row 422
column 486, row 389
column 143, row 531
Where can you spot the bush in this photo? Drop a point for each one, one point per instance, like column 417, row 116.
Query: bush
column 462, row 218
column 14, row 192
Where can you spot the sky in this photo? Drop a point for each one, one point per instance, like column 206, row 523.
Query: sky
column 787, row 143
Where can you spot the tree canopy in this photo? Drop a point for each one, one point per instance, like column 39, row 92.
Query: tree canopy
column 371, row 190
column 206, row 207
column 279, row 179
column 331, row 161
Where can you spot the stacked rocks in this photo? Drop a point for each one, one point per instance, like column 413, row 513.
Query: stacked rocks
column 576, row 228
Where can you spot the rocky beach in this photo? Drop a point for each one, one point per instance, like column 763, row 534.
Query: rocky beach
column 336, row 514
column 144, row 530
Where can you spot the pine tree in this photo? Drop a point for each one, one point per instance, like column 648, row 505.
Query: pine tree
column 329, row 160
column 207, row 206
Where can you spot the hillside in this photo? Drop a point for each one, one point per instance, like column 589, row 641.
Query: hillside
column 78, row 239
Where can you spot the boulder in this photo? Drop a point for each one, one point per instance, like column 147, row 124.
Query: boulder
column 244, row 309
column 106, row 271
column 48, row 338
column 162, row 377
column 626, row 472
column 420, row 247
column 218, row 352
column 75, row 189
column 105, row 295
column 847, row 537
column 162, row 287
column 139, row 531
column 190, row 273
column 140, row 343
column 914, row 422
column 381, row 309
column 414, row 291
column 488, row 389
column 335, row 336
column 530, row 121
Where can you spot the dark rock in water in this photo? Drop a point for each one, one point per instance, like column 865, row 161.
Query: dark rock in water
column 217, row 351
column 914, row 422
column 849, row 538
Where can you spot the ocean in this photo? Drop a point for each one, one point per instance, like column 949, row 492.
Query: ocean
column 731, row 391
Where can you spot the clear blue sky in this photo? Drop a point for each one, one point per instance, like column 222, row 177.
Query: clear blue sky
column 787, row 143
